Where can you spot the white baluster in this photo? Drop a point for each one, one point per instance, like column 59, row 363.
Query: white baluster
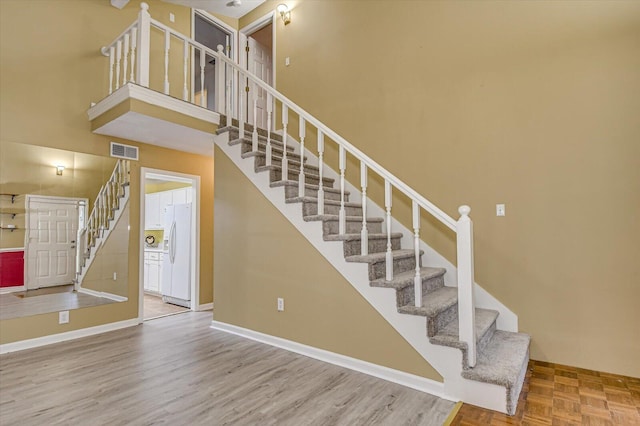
column 220, row 81
column 342, row 217
column 203, row 98
column 320, row 170
column 417, row 281
column 112, row 54
column 167, row 44
column 254, row 135
column 389, row 254
column 134, row 39
column 228, row 100
column 466, row 296
column 285, row 162
column 118, row 57
column 125, row 62
column 364, row 233
column 240, row 114
column 143, row 45
column 303, row 132
column 269, row 112
column 185, row 70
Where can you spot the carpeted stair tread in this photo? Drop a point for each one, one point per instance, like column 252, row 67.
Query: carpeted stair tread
column 449, row 335
column 405, row 279
column 326, row 202
column 276, row 154
column 276, row 147
column 433, row 303
column 325, row 217
column 248, row 131
column 358, row 237
column 307, row 185
column 294, row 171
column 502, row 363
column 381, row 257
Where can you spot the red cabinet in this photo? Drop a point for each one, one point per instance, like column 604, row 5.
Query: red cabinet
column 11, row 268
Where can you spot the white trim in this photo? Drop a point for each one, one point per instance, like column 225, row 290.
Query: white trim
column 102, row 294
column 146, row 172
column 385, row 373
column 10, row 249
column 66, row 336
column 205, row 307
column 133, row 91
column 12, row 289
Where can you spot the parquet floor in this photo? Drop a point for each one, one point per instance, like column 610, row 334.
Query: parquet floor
column 555, row 394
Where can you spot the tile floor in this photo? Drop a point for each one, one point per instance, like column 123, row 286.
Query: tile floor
column 555, row 394
column 154, row 307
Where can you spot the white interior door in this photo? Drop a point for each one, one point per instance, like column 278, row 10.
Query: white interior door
column 260, row 64
column 51, row 242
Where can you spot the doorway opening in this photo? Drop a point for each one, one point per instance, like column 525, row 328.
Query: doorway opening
column 210, row 32
column 170, row 243
column 259, row 44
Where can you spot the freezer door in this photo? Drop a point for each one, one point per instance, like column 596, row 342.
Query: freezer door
column 181, row 266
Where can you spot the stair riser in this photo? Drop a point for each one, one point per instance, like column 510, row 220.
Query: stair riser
column 275, row 175
column 311, row 209
column 275, row 138
column 378, row 270
column 353, row 248
column 407, row 295
column 331, row 227
column 276, row 152
column 484, row 340
column 293, row 164
column 292, row 192
column 434, row 325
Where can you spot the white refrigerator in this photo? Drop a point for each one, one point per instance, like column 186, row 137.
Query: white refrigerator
column 176, row 263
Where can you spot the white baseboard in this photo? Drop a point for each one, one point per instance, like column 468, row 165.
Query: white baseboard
column 395, row 376
column 63, row 337
column 205, row 307
column 5, row 290
column 102, row 294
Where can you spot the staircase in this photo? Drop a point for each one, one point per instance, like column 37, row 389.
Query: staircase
column 107, row 208
column 502, row 355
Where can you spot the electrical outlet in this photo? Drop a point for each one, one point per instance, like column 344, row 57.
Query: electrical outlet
column 287, row 61
column 172, row 17
column 63, row 317
column 115, row 276
column 500, row 210
column 280, row 304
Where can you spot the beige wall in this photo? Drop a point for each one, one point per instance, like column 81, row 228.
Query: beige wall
column 51, row 70
column 532, row 104
column 260, row 256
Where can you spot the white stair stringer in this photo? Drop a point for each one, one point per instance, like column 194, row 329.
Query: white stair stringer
column 446, row 360
column 101, row 239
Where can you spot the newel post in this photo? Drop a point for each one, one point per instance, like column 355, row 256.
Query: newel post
column 143, row 43
column 466, row 299
column 221, row 65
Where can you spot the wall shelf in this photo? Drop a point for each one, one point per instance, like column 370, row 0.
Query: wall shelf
column 13, row 197
column 3, row 228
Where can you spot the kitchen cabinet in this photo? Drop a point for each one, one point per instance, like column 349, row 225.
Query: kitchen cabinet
column 157, row 201
column 153, row 271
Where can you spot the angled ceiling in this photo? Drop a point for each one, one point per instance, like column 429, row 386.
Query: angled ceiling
column 222, row 7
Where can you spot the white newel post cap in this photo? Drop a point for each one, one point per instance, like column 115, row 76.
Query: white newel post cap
column 144, row 6
column 464, row 210
column 220, row 48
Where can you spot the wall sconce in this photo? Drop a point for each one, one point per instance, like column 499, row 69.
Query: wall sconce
column 59, row 170
column 285, row 13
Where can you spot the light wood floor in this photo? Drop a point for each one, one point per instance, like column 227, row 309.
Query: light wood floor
column 154, row 307
column 176, row 370
column 35, row 302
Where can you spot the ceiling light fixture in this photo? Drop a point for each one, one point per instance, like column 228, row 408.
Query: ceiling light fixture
column 284, row 12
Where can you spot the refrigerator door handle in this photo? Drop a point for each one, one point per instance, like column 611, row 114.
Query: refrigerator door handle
column 172, row 243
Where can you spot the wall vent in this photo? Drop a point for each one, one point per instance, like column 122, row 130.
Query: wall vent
column 124, row 151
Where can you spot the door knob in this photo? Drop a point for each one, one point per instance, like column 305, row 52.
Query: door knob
column 73, row 246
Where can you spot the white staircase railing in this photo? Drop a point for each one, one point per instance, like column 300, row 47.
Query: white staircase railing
column 106, row 203
column 133, row 46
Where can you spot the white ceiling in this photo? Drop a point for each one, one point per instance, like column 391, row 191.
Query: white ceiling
column 220, row 6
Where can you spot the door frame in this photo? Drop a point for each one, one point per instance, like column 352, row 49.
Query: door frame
column 243, row 34
column 145, row 173
column 27, row 225
column 217, row 22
